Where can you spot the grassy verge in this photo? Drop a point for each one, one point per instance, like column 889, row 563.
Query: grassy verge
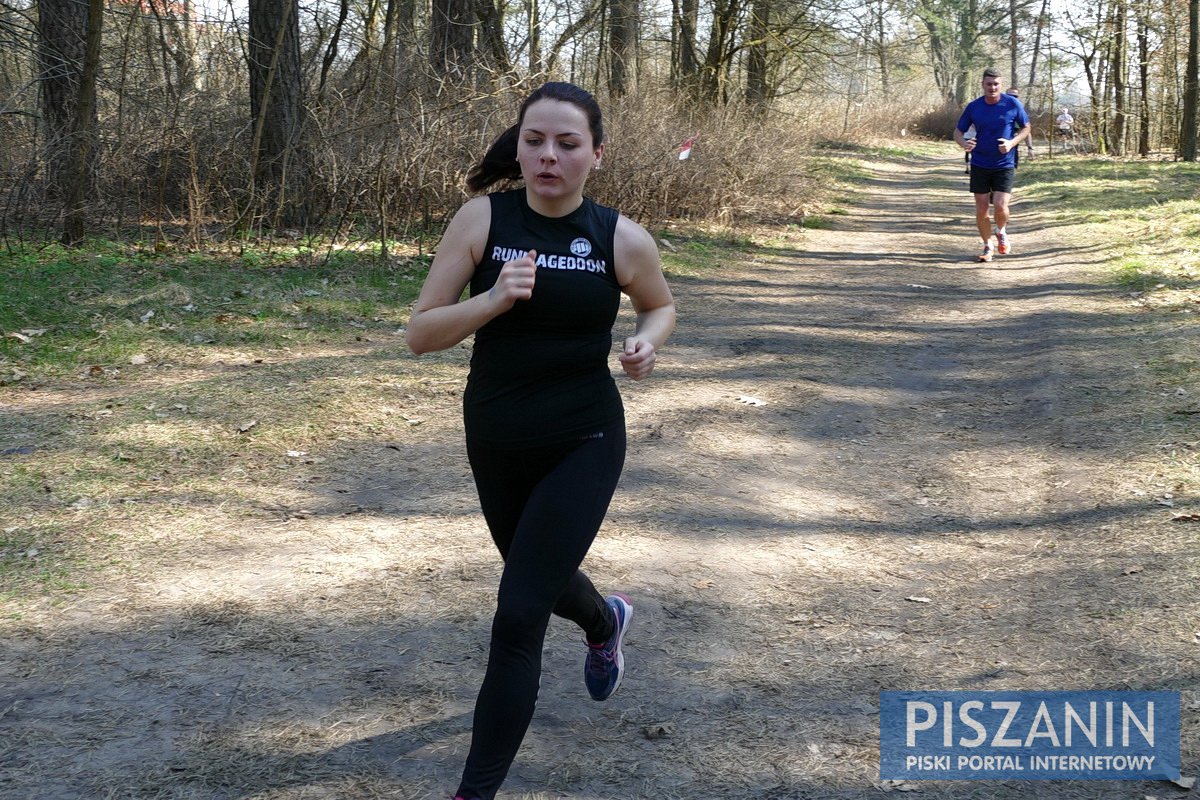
column 96, row 308
column 143, row 392
column 1148, row 211
column 1142, row 218
column 833, row 175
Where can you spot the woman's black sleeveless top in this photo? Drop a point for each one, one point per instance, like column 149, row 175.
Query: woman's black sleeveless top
column 539, row 372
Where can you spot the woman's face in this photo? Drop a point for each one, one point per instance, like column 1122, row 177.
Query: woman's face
column 556, row 150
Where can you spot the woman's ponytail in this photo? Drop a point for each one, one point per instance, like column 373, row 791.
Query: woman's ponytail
column 499, row 162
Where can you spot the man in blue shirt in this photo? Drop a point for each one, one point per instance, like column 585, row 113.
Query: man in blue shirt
column 1001, row 124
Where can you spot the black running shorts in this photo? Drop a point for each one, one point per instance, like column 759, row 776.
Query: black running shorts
column 984, row 181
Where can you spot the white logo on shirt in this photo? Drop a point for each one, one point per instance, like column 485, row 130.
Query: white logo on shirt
column 503, row 255
column 581, row 247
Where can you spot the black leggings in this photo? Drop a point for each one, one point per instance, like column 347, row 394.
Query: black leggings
column 543, row 506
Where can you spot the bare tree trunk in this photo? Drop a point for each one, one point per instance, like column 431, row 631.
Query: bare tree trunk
column 967, row 45
column 491, row 35
column 83, row 136
column 451, row 37
column 362, row 67
column 685, row 65
column 178, row 49
column 881, row 47
column 1143, row 37
column 61, row 54
column 758, row 92
column 533, row 19
column 1191, row 85
column 1012, row 43
column 331, row 50
column 1119, row 88
column 1037, row 42
column 281, row 167
column 622, row 45
column 389, row 50
column 1101, row 114
column 722, row 42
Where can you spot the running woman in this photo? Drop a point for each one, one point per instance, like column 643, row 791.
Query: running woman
column 1001, row 124
column 544, row 422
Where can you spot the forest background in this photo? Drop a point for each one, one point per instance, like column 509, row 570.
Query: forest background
column 174, row 124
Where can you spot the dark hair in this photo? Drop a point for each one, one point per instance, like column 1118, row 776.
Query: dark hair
column 991, row 72
column 500, row 161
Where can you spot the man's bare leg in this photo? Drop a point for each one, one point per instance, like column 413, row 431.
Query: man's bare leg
column 1000, row 200
column 984, row 223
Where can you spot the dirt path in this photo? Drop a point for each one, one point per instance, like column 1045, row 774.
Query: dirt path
column 929, row 427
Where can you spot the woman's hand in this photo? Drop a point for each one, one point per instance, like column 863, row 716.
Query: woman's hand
column 637, row 359
column 515, row 281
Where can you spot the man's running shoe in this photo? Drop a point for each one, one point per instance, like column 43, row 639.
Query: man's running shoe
column 986, row 255
column 605, row 663
column 1002, row 244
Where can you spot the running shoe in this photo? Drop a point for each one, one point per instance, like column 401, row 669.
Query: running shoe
column 605, row 663
column 1002, row 243
column 986, row 255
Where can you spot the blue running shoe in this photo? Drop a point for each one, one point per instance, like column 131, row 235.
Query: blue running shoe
column 605, row 663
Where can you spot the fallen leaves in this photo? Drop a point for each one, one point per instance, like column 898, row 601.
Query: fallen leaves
column 1184, row 782
column 25, row 335
column 658, row 730
column 899, row 786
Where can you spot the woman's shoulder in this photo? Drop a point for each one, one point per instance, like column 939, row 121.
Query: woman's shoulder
column 631, row 239
column 471, row 223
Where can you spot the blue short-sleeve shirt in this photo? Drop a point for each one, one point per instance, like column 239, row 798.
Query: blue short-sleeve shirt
column 993, row 122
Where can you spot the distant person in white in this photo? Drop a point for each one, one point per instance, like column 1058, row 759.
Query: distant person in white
column 1065, row 122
